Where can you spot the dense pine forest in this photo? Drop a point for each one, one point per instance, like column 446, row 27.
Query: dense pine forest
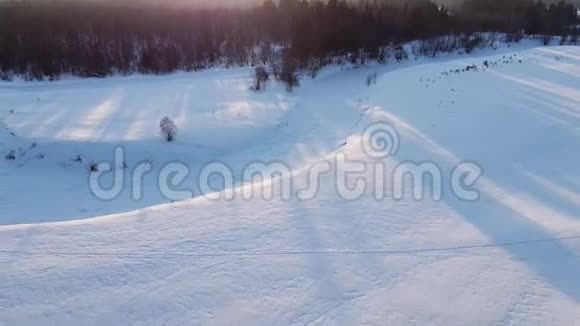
column 44, row 40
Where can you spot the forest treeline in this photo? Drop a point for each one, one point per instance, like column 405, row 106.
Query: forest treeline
column 47, row 39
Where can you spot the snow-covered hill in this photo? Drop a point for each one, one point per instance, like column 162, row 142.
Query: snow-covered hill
column 511, row 257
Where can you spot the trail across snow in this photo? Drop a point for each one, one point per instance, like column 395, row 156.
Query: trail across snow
column 509, row 258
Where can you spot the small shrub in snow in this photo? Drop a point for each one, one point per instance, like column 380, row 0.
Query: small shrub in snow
column 563, row 39
column 547, row 39
column 471, row 67
column 94, row 167
column 11, row 156
column 275, row 68
column 261, row 77
column 382, row 56
column 314, row 68
column 289, row 73
column 400, row 54
column 168, row 129
column 515, row 37
column 5, row 77
column 470, row 42
column 371, row 79
column 353, row 58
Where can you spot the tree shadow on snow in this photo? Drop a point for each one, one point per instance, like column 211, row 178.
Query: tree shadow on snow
column 504, row 214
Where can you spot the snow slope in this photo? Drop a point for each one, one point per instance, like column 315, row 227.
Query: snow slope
column 509, row 258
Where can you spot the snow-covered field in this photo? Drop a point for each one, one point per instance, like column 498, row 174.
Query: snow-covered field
column 509, row 258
